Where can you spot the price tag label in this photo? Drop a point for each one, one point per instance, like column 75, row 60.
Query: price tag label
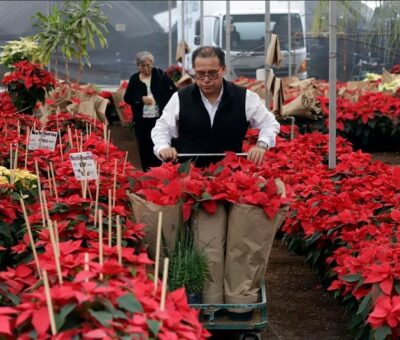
column 83, row 165
column 42, row 140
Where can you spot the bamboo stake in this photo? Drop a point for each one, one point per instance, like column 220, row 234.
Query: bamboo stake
column 109, row 218
column 40, row 192
column 50, row 182
column 28, row 132
column 115, row 182
column 77, row 140
column 45, row 207
column 81, row 142
column 86, row 265
column 119, row 240
column 96, row 203
column 56, row 251
column 101, row 259
column 108, row 143
column 18, row 130
column 87, row 129
column 158, row 245
column 61, row 146
column 28, row 227
column 11, row 164
column 49, row 303
column 125, row 160
column 164, row 284
column 104, row 132
column 57, row 235
column 85, row 181
column 54, row 181
column 71, row 144
column 90, row 129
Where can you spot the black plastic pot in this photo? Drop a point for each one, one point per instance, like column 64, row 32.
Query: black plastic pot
column 195, row 298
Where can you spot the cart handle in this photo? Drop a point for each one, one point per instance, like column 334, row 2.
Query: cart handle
column 209, row 154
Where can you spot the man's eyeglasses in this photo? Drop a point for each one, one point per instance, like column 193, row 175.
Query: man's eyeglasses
column 212, row 75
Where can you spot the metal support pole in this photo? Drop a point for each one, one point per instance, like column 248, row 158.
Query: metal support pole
column 332, row 83
column 169, row 33
column 183, row 31
column 201, row 23
column 289, row 40
column 267, row 39
column 228, row 39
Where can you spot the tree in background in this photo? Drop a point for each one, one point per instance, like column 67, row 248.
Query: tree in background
column 71, row 30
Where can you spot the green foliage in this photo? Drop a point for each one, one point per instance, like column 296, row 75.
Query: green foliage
column 188, row 264
column 71, row 30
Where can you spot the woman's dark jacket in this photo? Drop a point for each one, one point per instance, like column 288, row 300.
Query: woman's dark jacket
column 162, row 88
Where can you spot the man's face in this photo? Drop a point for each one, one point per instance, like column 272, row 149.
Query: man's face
column 209, row 75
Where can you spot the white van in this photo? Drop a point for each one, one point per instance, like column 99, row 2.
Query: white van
column 247, row 33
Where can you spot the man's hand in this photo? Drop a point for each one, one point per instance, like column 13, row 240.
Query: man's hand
column 256, row 154
column 168, row 154
column 147, row 100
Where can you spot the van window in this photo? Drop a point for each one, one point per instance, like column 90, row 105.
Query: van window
column 247, row 31
column 216, row 31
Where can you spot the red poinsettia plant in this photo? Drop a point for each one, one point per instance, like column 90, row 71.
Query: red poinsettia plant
column 27, row 84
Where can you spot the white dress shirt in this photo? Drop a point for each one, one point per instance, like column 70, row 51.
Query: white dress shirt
column 257, row 115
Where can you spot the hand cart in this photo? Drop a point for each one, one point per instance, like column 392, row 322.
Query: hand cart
column 249, row 330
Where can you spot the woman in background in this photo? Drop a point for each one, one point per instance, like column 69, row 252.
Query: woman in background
column 148, row 91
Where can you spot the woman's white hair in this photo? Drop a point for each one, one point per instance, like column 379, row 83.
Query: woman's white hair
column 141, row 57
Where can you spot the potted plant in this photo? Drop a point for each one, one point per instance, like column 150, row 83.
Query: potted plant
column 188, row 266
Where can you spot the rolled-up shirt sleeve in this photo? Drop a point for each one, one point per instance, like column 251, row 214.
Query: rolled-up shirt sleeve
column 260, row 118
column 166, row 127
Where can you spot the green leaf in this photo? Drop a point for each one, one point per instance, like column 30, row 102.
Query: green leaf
column 206, row 196
column 154, row 326
column 130, row 303
column 381, row 333
column 218, row 170
column 64, row 312
column 352, row 277
column 101, row 316
column 397, row 287
column 184, row 167
column 365, row 306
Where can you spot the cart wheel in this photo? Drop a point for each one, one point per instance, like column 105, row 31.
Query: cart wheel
column 250, row 336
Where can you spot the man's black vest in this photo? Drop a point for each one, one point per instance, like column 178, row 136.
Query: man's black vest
column 195, row 133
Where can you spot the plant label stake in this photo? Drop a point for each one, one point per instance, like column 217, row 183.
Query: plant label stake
column 125, row 160
column 96, row 203
column 119, row 240
column 54, row 181
column 158, row 245
column 40, row 190
column 86, row 265
column 61, row 146
column 115, row 183
column 49, row 303
column 43, row 140
column 101, row 259
column 109, row 218
column 26, row 148
column 164, row 284
column 28, row 227
column 83, row 165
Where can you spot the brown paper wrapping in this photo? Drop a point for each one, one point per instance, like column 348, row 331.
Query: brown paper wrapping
column 305, row 106
column 274, row 55
column 181, row 50
column 147, row 212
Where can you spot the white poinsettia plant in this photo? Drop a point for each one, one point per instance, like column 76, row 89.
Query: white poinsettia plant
column 18, row 50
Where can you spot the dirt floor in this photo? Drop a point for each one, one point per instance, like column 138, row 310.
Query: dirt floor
column 298, row 307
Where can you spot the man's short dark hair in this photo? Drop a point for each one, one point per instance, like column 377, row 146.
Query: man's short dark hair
column 209, row 52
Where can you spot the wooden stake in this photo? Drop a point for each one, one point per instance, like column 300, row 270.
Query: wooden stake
column 56, row 251
column 49, row 303
column 71, row 144
column 57, row 235
column 50, row 182
column 164, row 283
column 109, row 218
column 54, row 181
column 108, row 143
column 28, row 132
column 96, row 203
column 104, row 132
column 115, row 182
column 158, row 247
column 40, row 192
column 125, row 160
column 18, row 130
column 61, row 146
column 119, row 240
column 76, row 140
column 86, row 265
column 28, row 227
column 101, row 259
column 12, row 174
column 81, row 142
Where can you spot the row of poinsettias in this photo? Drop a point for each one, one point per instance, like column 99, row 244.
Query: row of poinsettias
column 106, row 301
column 346, row 221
